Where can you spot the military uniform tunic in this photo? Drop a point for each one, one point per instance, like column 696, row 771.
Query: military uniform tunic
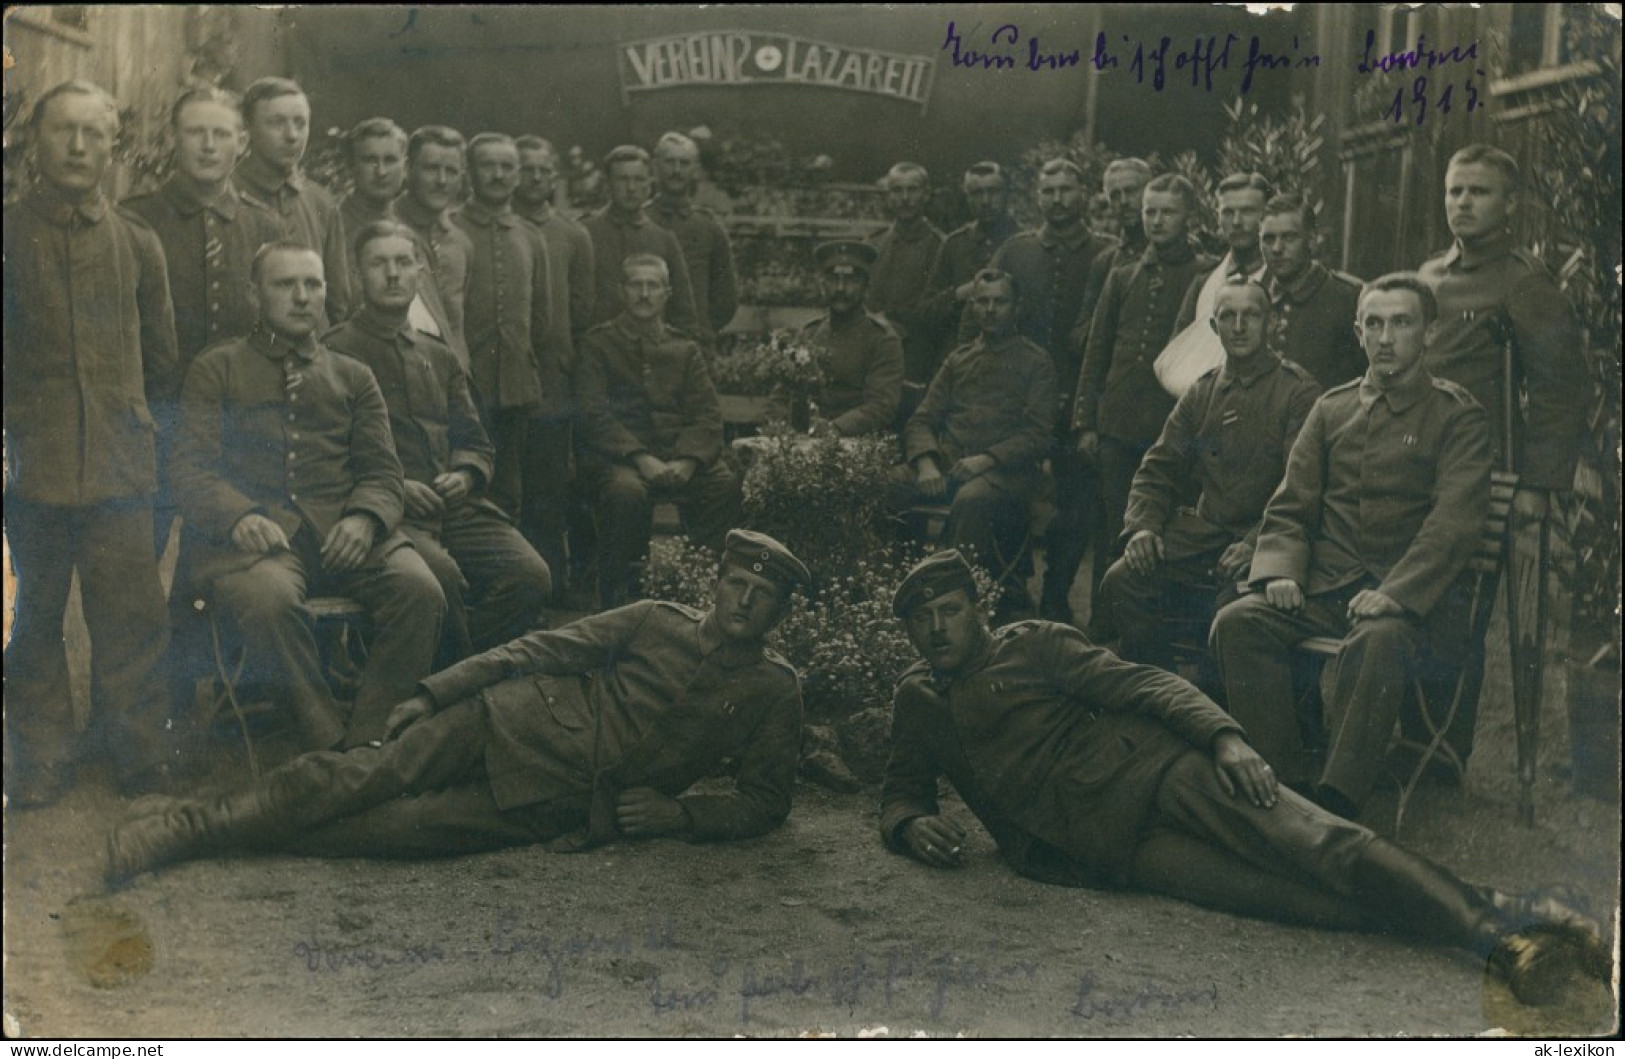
column 1495, row 295
column 89, row 356
column 1313, row 323
column 898, row 285
column 534, row 739
column 862, row 365
column 709, row 257
column 965, row 251
column 1383, row 489
column 300, row 434
column 615, row 237
column 448, row 251
column 495, row 583
column 307, row 214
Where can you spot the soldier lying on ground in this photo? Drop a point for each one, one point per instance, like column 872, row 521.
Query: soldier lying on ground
column 572, row 736
column 1091, row 771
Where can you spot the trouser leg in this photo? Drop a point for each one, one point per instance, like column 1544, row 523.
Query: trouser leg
column 546, row 508
column 625, row 517
column 1251, row 642
column 266, row 603
column 1118, row 459
column 508, row 581
column 128, row 619
column 990, row 522
column 1301, row 841
column 1180, row 865
column 456, row 643
column 1077, row 520
column 441, row 823
column 40, row 734
column 1366, row 684
column 298, row 798
column 407, row 608
column 710, row 505
column 508, row 428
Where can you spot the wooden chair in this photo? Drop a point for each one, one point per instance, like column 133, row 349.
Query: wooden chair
column 342, row 625
column 1483, row 573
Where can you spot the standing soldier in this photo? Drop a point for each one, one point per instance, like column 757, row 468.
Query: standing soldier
column 435, row 164
column 377, row 156
column 1123, row 184
column 706, row 251
column 1051, row 267
column 898, row 283
column 508, row 316
column 278, row 118
column 624, row 228
column 1497, row 299
column 89, row 342
column 546, row 503
column 209, row 233
column 967, row 251
column 1121, row 407
column 1313, row 304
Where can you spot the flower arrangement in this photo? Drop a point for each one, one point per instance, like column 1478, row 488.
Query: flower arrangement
column 782, row 360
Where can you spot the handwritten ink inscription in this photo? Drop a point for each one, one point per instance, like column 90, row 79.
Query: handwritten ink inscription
column 1206, row 60
column 901, row 981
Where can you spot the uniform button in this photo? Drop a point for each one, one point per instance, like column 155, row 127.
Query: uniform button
column 293, row 496
column 295, row 435
column 214, row 307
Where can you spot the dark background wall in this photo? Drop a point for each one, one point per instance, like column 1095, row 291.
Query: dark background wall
column 553, row 71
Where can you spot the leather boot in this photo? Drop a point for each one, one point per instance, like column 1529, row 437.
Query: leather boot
column 1540, row 943
column 187, row 829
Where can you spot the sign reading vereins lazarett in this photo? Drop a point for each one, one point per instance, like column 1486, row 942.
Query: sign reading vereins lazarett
column 737, row 57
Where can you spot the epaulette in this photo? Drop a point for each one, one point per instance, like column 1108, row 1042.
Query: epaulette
column 1211, row 372
column 595, row 328
column 1343, row 277
column 1454, row 389
column 922, row 668
column 332, row 330
column 1352, row 384
column 682, row 608
column 1018, row 628
column 1529, row 259
column 1298, row 371
column 673, row 331
column 772, row 656
column 882, row 323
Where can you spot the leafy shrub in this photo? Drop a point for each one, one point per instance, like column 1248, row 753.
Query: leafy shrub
column 825, row 498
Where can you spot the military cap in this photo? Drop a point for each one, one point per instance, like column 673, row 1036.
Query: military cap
column 846, row 254
column 761, row 554
column 934, row 576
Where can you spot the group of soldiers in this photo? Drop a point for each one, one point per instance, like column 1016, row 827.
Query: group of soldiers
column 398, row 398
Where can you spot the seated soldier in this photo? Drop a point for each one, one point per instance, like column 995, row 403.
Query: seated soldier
column 573, row 736
column 1385, row 495
column 495, row 583
column 1090, row 771
column 289, row 484
column 1224, row 444
column 977, row 438
column 860, row 355
column 651, row 430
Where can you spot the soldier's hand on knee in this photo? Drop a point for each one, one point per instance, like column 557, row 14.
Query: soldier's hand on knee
column 928, row 479
column 1089, row 444
column 1143, row 552
column 348, row 543
column 935, row 840
column 258, row 535
column 407, row 714
column 972, row 467
column 651, row 469
column 1242, row 771
column 454, row 487
column 422, row 501
column 643, row 812
column 1233, row 564
column 1369, row 603
column 1284, row 594
column 678, row 472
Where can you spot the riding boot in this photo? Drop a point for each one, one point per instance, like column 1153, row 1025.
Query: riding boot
column 186, row 829
column 1540, row 943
